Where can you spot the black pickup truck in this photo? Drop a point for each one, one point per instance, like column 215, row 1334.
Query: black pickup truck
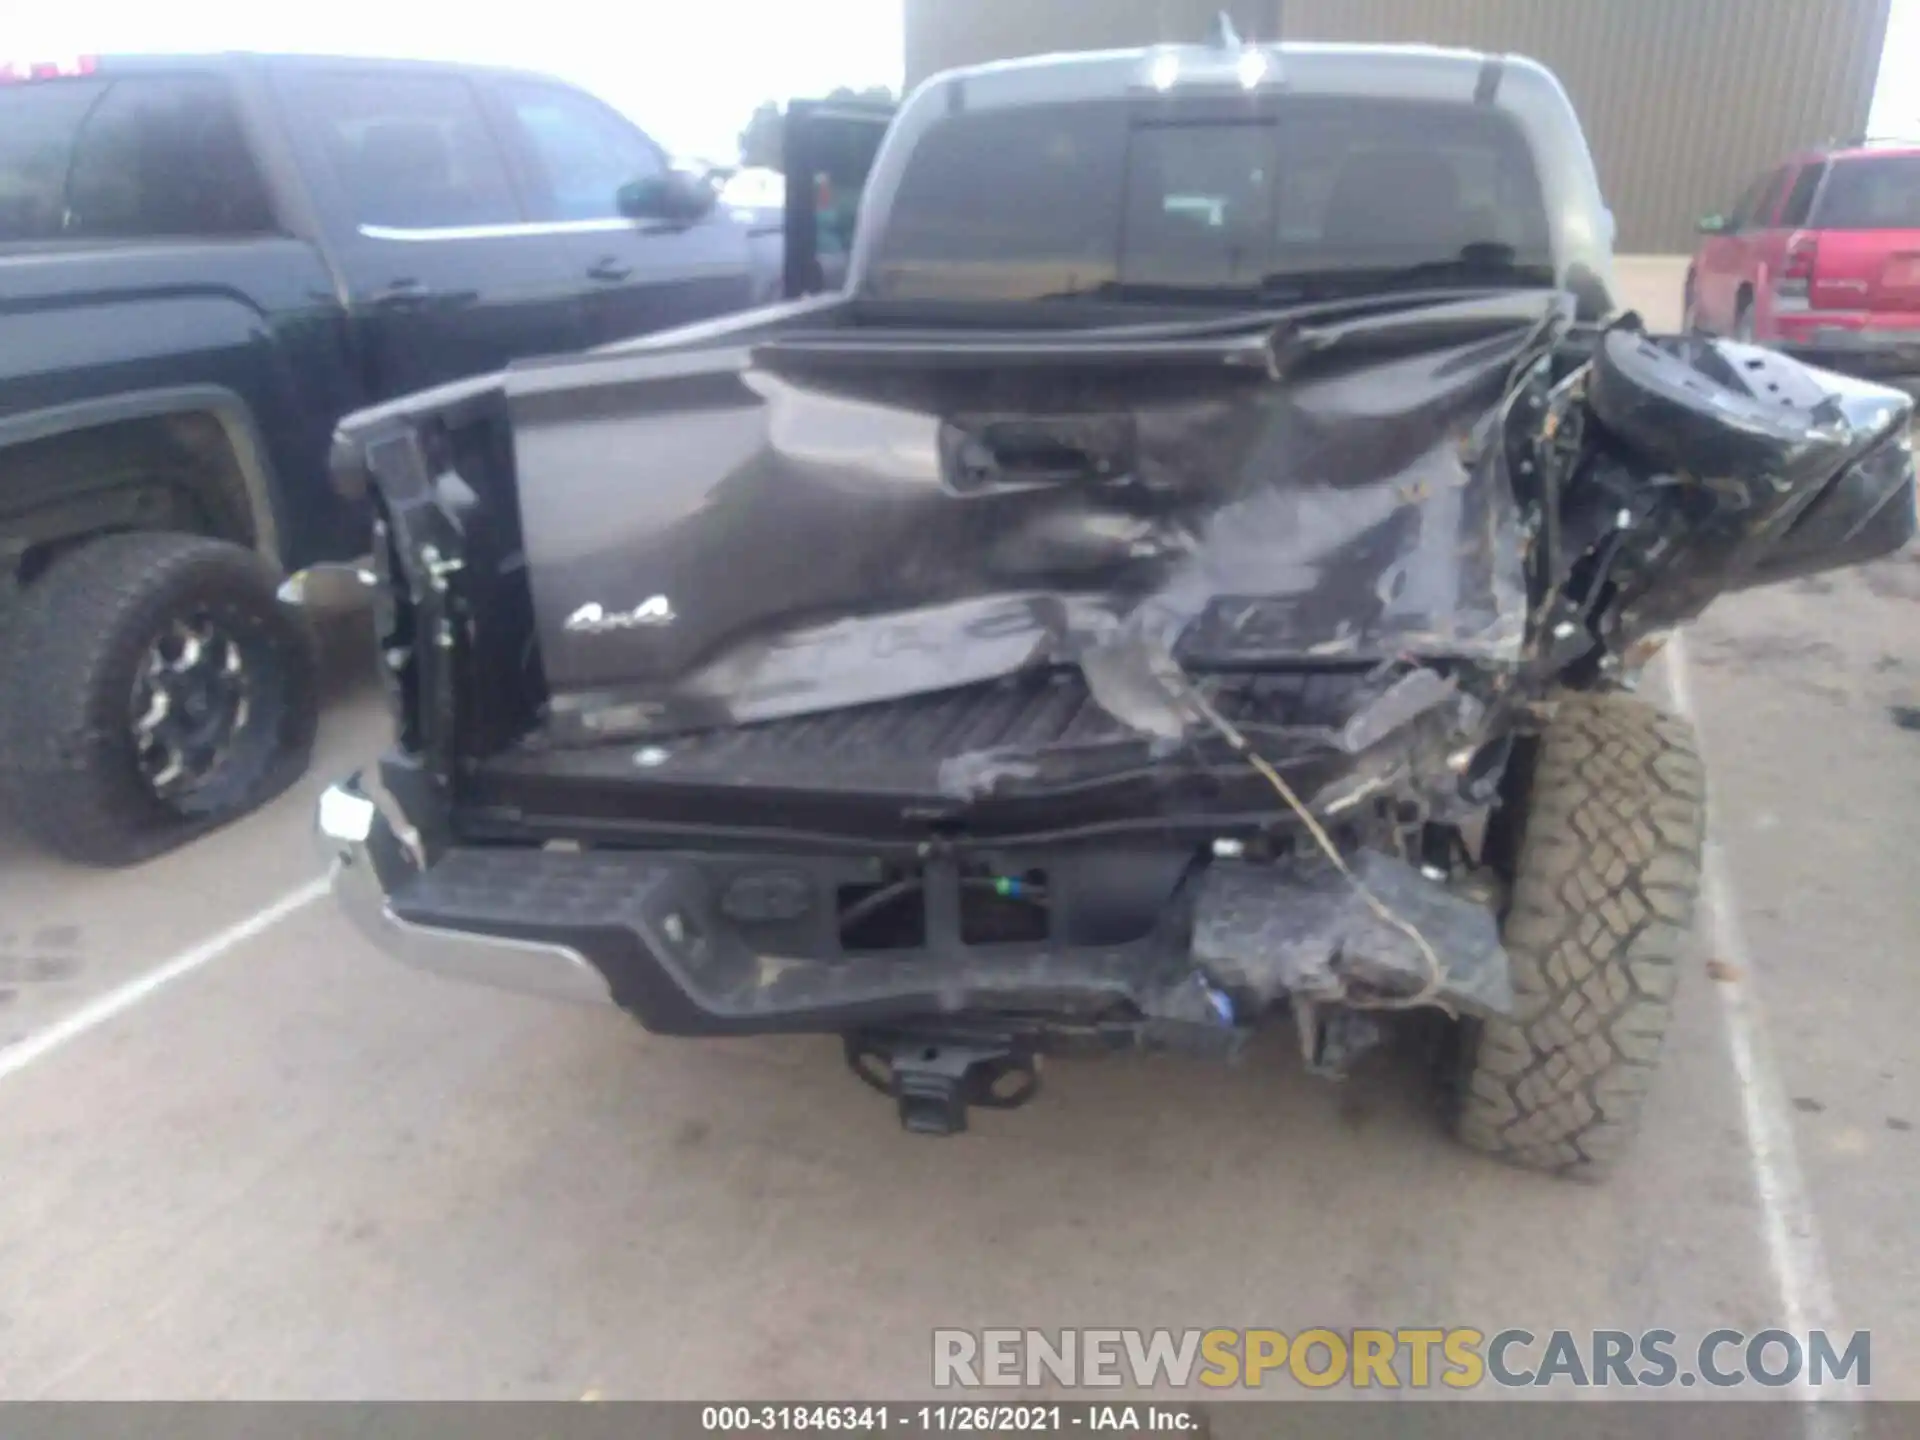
column 204, row 263
column 1194, row 576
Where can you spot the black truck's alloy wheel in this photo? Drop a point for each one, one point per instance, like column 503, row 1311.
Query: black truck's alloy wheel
column 156, row 689
column 191, row 706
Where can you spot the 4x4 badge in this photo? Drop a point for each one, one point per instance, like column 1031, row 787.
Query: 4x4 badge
column 595, row 619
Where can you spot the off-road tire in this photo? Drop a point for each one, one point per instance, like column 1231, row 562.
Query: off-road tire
column 75, row 639
column 1603, row 835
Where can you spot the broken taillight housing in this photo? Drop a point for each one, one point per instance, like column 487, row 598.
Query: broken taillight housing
column 1793, row 283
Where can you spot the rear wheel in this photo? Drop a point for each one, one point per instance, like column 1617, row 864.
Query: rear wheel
column 156, row 689
column 1602, row 836
column 1690, row 306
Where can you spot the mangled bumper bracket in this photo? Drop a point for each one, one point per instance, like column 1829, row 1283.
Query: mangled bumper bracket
column 1299, row 929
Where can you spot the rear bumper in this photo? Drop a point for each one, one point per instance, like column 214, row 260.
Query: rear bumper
column 644, row 932
column 663, row 936
column 369, row 858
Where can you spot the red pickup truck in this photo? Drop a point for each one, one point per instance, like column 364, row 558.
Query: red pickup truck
column 1821, row 257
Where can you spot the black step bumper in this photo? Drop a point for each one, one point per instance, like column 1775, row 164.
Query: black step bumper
column 373, row 854
column 647, row 931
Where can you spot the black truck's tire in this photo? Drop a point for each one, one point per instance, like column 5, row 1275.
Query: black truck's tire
column 1604, row 846
column 76, row 646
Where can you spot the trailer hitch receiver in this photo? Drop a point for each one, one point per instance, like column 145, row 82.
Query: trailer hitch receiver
column 934, row 1082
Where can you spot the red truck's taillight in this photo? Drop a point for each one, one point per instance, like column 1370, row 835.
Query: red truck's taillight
column 1795, row 277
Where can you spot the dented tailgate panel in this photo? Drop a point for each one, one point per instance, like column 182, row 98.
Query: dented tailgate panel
column 814, row 523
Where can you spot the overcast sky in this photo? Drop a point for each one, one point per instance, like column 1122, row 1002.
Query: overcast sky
column 1896, row 99
column 690, row 71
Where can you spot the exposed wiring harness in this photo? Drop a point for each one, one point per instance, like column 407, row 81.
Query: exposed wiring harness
column 1429, row 992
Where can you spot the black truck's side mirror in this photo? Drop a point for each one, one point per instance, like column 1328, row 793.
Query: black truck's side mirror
column 672, row 197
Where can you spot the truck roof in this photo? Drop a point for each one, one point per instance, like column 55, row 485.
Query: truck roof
column 1174, row 69
column 27, row 69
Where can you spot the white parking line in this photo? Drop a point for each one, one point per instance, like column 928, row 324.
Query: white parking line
column 1792, row 1231
column 96, row 1012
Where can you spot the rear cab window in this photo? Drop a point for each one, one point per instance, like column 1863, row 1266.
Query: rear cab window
column 146, row 156
column 1871, row 192
column 1096, row 200
column 407, row 151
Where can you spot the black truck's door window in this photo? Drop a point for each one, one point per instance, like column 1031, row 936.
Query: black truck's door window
column 146, row 157
column 580, row 151
column 410, row 152
column 38, row 125
column 447, row 273
column 165, row 156
column 635, row 277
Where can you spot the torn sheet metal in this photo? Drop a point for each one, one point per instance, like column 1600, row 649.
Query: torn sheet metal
column 1298, row 927
column 830, row 531
column 1771, row 468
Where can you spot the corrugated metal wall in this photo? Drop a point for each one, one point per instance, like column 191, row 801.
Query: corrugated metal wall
column 1684, row 101
column 944, row 33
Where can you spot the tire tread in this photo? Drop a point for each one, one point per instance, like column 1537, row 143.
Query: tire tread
column 1600, row 919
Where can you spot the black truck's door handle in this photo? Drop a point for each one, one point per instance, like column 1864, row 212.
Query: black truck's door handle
column 402, row 295
column 609, row 270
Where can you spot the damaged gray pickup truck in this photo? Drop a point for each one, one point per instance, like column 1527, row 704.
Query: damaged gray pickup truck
column 1194, row 576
